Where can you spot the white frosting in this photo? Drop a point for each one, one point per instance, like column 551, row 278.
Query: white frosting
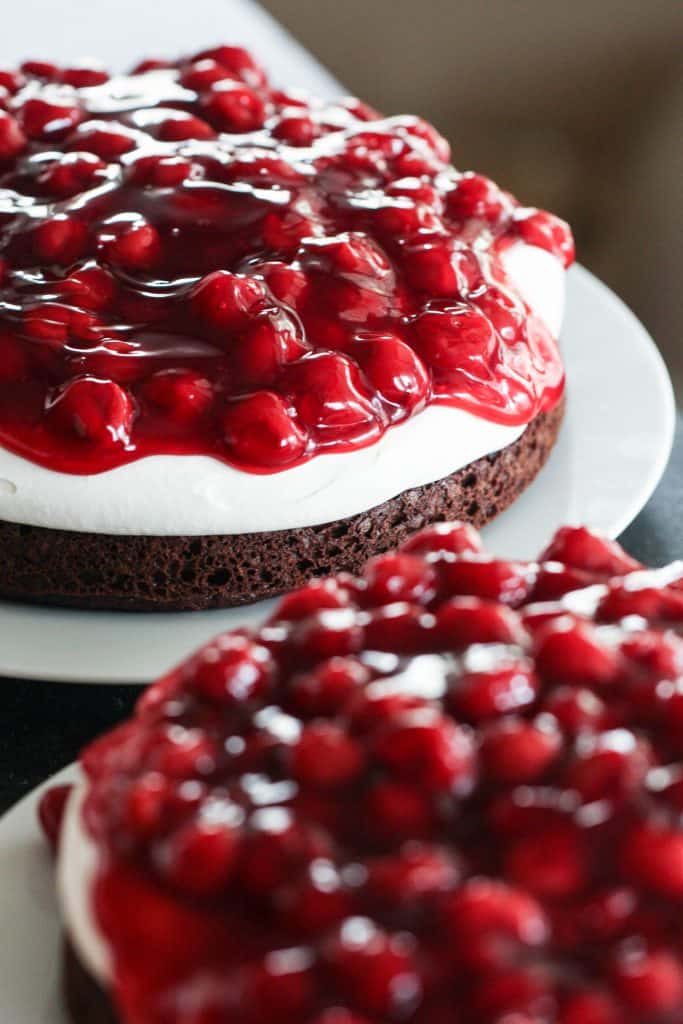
column 76, row 867
column 198, row 495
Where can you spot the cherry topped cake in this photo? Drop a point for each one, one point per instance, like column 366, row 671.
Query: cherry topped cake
column 248, row 336
column 446, row 791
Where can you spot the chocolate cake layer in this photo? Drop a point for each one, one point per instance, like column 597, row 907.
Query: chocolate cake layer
column 89, row 570
column 85, row 1000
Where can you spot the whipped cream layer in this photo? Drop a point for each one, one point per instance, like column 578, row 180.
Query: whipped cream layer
column 197, row 495
column 76, row 869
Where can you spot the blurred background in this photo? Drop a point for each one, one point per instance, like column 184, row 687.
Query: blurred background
column 577, row 107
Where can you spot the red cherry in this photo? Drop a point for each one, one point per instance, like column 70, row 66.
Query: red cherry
column 349, row 253
column 297, row 129
column 97, row 411
column 394, row 370
column 145, row 806
column 184, row 126
column 223, row 300
column 238, row 61
column 507, row 582
column 40, row 69
column 449, row 338
column 280, row 986
column 13, row 81
column 91, row 288
column 443, row 271
column 591, row 1007
column 570, row 651
column 56, row 324
column 624, row 599
column 416, row 871
column 576, row 708
column 200, row 75
column 150, row 64
column 108, row 140
column 324, row 756
column 475, row 196
column 72, row 173
column 398, row 578
column 60, row 240
column 555, row 868
column 583, row 549
column 548, row 232
column 327, row 634
column 284, row 232
column 515, row 751
column 493, row 685
column 233, row 108
column 374, row 969
column 43, row 120
column 398, row 810
column 84, row 75
column 653, row 857
column 360, row 110
column 230, row 670
column 554, row 580
column 275, row 848
column 401, row 627
column 51, row 811
column 609, row 766
column 430, row 751
column 405, row 221
column 160, row 171
column 288, row 284
column 131, row 244
column 269, row 342
column 181, row 753
column 462, row 621
column 512, row 992
column 649, row 983
column 260, row 430
column 483, row 909
column 314, row 596
column 182, row 394
column 317, row 903
column 332, row 399
column 200, row 858
column 12, row 138
column 444, row 538
column 14, row 362
column 326, row 689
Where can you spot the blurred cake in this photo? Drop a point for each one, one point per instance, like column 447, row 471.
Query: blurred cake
column 447, row 790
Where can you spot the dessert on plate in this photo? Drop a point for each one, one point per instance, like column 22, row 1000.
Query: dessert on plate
column 248, row 336
column 446, row 791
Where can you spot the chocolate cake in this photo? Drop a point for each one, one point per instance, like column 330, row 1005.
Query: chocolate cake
column 248, row 336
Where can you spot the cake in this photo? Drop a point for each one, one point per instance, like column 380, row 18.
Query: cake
column 248, row 336
column 446, row 790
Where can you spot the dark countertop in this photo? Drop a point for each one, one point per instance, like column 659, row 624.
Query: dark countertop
column 44, row 725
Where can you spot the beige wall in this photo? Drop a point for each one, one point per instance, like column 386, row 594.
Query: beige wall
column 577, row 106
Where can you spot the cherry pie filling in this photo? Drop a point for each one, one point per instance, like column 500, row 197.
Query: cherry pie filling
column 448, row 791
column 194, row 262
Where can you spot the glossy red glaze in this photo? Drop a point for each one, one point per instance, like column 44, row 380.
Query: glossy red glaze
column 268, row 244
column 329, row 820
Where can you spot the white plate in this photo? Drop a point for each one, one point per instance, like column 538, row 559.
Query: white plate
column 612, row 451
column 29, row 923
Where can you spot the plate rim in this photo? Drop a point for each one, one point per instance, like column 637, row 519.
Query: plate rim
column 32, row 869
column 629, row 508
